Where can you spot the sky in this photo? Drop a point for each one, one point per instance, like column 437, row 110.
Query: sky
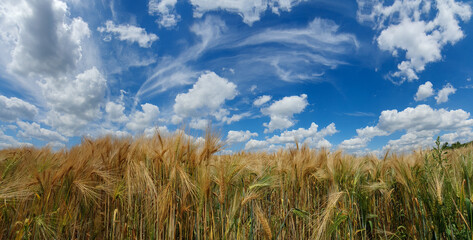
column 365, row 76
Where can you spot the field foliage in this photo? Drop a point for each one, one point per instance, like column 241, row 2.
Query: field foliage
column 169, row 187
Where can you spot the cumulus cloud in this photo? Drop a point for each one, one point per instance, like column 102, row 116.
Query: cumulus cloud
column 34, row 130
column 223, row 115
column 364, row 136
column 262, row 100
column 423, row 117
column 140, row 120
column 75, row 102
column 44, row 41
column 354, row 143
column 443, row 94
column 201, row 124
column 112, row 132
column 229, row 119
column 408, row 27
column 205, row 98
column 301, row 134
column 239, row 136
column 370, row 132
column 13, row 108
column 255, row 145
column 48, row 51
column 130, row 34
column 165, row 10
column 249, row 10
column 310, row 136
column 208, row 94
column 115, row 112
column 420, row 124
column 412, row 140
column 461, row 135
column 425, row 91
column 7, row 141
column 281, row 112
column 163, row 130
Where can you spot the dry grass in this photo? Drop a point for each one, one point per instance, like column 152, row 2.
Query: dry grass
column 172, row 188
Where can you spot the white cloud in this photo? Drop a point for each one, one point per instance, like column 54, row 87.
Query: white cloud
column 407, row 26
column 206, row 97
column 176, row 119
column 76, row 102
column 364, row 135
column 310, row 136
column 370, row 132
column 140, row 120
column 320, row 34
column 130, row 34
column 249, row 10
column 171, row 72
column 42, row 48
column 443, row 94
column 293, row 135
column 354, row 143
column 151, row 131
column 56, row 145
column 425, row 90
column 165, row 10
column 115, row 112
column 305, row 52
column 223, row 115
column 235, row 117
column 420, row 124
column 423, row 117
column 239, row 136
column 201, row 124
column 460, row 135
column 43, row 39
column 255, row 145
column 13, row 108
column 7, row 141
column 281, row 112
column 262, row 100
column 225, row 152
column 113, row 132
column 34, row 130
column 324, row 143
column 412, row 141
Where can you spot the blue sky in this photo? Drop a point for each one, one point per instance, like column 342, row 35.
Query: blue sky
column 363, row 76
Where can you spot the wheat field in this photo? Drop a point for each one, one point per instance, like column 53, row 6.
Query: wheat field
column 169, row 187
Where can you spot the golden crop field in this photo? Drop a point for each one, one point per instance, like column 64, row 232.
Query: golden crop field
column 168, row 187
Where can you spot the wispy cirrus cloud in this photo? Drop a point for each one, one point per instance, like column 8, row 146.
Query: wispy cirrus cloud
column 302, row 54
